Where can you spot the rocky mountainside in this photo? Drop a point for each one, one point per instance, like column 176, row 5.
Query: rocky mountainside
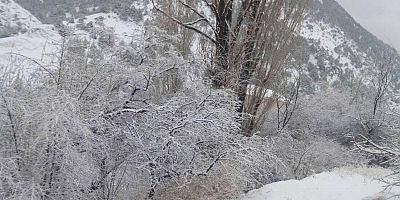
column 23, row 36
column 333, row 49
column 14, row 19
column 57, row 11
column 105, row 90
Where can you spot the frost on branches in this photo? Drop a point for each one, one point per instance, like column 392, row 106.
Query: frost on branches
column 108, row 121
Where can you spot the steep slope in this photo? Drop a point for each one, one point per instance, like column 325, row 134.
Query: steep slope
column 56, row 11
column 40, row 42
column 89, row 26
column 14, row 19
column 26, row 39
column 31, row 44
column 332, row 50
column 335, row 50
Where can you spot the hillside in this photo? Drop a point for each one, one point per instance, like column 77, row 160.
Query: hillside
column 57, row 11
column 109, row 99
column 339, row 51
column 25, row 37
column 14, row 19
column 123, row 31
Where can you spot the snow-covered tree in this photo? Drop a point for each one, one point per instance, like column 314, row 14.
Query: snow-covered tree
column 126, row 121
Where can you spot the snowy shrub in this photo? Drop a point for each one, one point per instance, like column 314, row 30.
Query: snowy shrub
column 316, row 139
column 302, row 154
column 96, row 125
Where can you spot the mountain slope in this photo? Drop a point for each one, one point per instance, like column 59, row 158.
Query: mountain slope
column 25, row 37
column 56, row 11
column 14, row 19
column 335, row 50
column 122, row 31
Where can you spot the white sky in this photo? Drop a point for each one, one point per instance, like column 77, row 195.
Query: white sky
column 380, row 17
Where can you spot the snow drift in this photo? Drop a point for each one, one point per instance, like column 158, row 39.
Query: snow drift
column 339, row 184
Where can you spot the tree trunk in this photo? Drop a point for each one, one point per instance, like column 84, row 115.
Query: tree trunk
column 246, row 71
column 223, row 20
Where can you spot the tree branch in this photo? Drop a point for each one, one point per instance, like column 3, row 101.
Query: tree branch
column 184, row 25
column 380, row 149
column 199, row 14
column 36, row 62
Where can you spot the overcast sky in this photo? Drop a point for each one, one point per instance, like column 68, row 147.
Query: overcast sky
column 380, row 17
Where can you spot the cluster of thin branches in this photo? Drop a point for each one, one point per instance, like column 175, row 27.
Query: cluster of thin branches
column 120, row 123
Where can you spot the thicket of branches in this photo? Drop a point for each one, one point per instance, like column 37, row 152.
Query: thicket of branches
column 252, row 41
column 107, row 121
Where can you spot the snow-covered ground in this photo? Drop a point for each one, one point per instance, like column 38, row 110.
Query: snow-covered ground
column 32, row 44
column 37, row 43
column 340, row 184
column 12, row 14
column 123, row 30
column 41, row 42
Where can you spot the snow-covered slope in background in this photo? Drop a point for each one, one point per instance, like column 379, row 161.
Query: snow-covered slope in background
column 40, row 42
column 13, row 15
column 330, row 39
column 125, row 31
column 340, row 184
column 336, row 51
column 35, row 43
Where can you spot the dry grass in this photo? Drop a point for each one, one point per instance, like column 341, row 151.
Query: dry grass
column 206, row 188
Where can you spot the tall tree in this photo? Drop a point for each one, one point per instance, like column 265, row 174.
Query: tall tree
column 252, row 40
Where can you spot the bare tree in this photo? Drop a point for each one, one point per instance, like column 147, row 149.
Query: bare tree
column 186, row 36
column 85, row 135
column 114, row 121
column 286, row 108
column 252, row 39
column 381, row 84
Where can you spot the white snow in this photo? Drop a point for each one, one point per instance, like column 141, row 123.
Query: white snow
column 12, row 14
column 330, row 37
column 324, row 33
column 34, row 44
column 312, row 59
column 123, row 30
column 38, row 44
column 340, row 184
column 42, row 40
column 268, row 93
column 139, row 5
column 30, row 43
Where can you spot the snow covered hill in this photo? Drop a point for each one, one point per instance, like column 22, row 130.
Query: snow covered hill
column 340, row 184
column 335, row 50
column 329, row 39
column 14, row 19
column 40, row 42
column 32, row 44
column 27, row 39
column 125, row 31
